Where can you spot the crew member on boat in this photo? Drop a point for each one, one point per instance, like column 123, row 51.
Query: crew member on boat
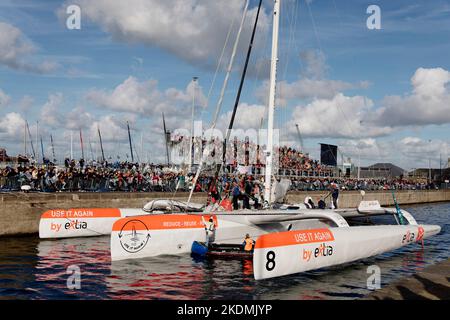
column 335, row 195
column 248, row 243
column 210, row 230
column 321, row 204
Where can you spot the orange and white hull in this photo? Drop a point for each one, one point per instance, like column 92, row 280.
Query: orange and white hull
column 284, row 253
column 171, row 234
column 81, row 222
column 88, row 222
column 312, row 243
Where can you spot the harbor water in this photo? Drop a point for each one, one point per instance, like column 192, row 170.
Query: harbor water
column 31, row 268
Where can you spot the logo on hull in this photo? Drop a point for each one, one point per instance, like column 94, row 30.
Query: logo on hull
column 409, row 237
column 323, row 250
column 134, row 236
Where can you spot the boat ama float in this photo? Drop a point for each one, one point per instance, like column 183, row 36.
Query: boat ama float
column 88, row 222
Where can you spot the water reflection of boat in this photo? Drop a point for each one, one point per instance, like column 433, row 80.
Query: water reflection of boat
column 165, row 277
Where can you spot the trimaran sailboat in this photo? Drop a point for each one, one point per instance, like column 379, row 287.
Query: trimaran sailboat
column 289, row 238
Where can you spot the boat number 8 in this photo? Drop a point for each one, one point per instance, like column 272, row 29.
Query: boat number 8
column 270, row 264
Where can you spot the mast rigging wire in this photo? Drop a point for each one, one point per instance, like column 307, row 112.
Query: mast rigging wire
column 220, row 101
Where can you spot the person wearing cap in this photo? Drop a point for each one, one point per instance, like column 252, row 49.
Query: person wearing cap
column 248, row 243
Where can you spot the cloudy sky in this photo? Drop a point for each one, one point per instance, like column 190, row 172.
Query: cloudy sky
column 380, row 95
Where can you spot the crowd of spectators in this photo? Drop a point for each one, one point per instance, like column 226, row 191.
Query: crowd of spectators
column 134, row 177
column 79, row 176
column 295, row 160
column 248, row 153
column 244, row 164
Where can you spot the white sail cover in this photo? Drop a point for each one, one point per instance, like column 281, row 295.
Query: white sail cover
column 171, row 205
column 279, row 190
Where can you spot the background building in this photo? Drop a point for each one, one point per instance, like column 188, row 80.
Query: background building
column 380, row 170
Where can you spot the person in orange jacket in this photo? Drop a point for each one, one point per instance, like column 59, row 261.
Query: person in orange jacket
column 248, row 243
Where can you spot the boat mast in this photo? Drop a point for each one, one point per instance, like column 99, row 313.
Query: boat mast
column 141, row 156
column 81, row 145
column 42, row 149
column 129, row 140
column 37, row 142
column 53, row 148
column 191, row 140
column 25, row 140
column 166, row 139
column 300, row 139
column 31, row 139
column 90, row 148
column 272, row 88
column 71, row 145
column 101, row 144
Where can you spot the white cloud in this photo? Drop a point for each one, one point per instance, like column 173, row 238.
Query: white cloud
column 145, row 98
column 4, row 99
column 77, row 118
column 419, row 149
column 15, row 47
column 247, row 116
column 50, row 112
column 114, row 134
column 368, row 150
column 340, row 116
column 11, row 126
column 428, row 103
column 194, row 30
column 408, row 152
column 311, row 84
column 304, row 89
column 111, row 128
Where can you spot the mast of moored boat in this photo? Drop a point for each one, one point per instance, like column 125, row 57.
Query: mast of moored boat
column 31, row 139
column 101, row 144
column 42, row 149
column 166, row 139
column 191, row 140
column 81, row 145
column 129, row 140
column 25, row 140
column 272, row 89
column 90, row 149
column 37, row 142
column 71, row 145
column 53, row 148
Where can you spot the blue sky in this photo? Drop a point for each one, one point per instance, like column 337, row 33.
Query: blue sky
column 322, row 42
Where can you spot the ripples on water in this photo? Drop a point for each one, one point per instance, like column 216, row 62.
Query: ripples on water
column 36, row 269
